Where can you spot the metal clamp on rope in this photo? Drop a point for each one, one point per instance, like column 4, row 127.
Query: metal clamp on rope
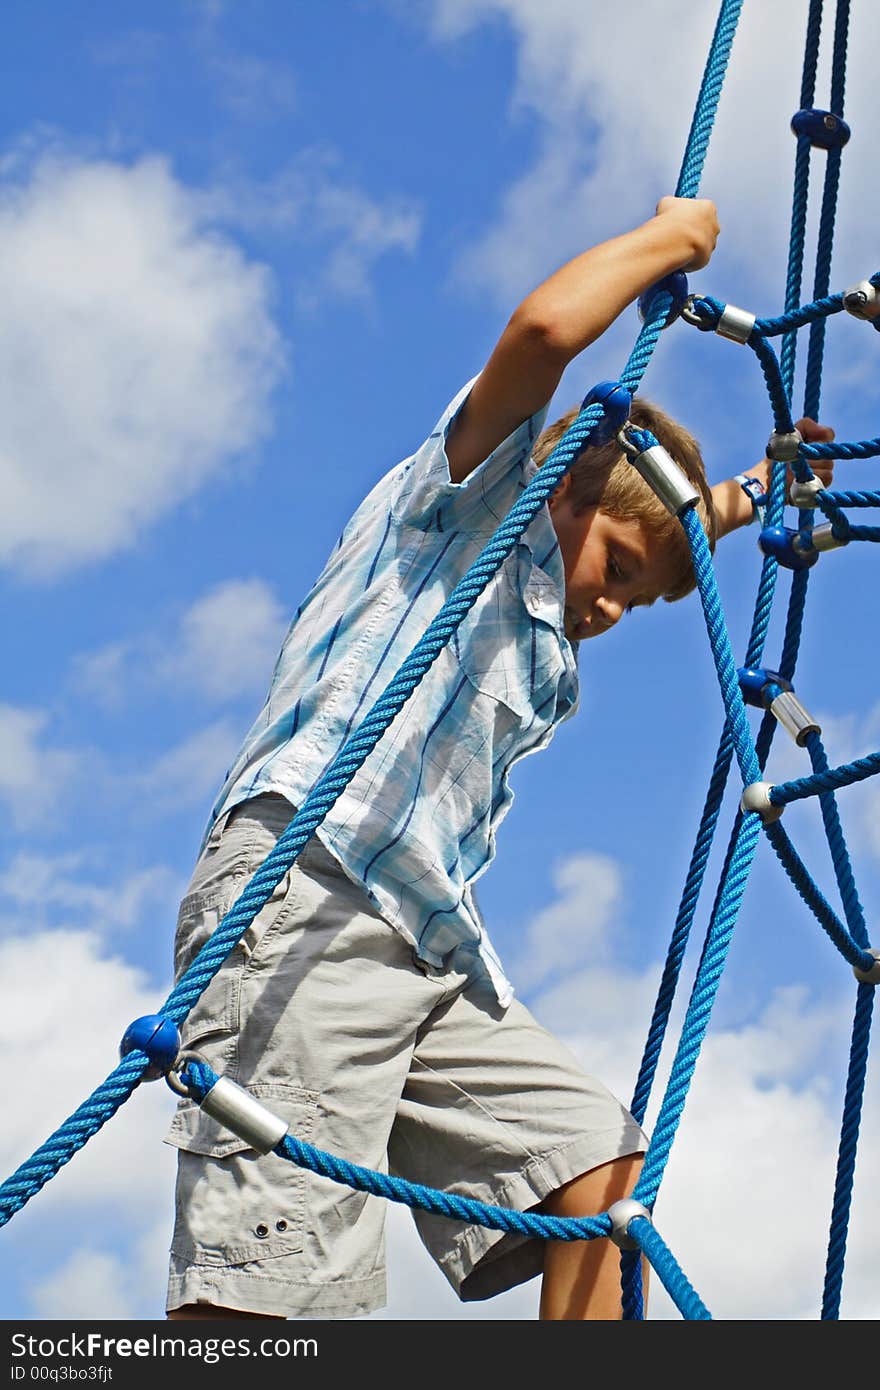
column 823, row 129
column 783, row 448
column 765, row 689
column 622, row 1213
column 822, row 538
column 872, row 976
column 863, row 302
column 661, row 473
column 756, row 797
column 234, row 1107
column 725, row 319
column 803, row 495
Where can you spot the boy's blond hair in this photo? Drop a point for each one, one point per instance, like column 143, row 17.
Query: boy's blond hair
column 603, row 477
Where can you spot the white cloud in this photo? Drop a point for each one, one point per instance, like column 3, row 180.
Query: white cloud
column 189, row 772
column 137, row 355
column 223, row 646
column 33, row 774
column 67, row 1004
column 313, row 199
column 90, row 1284
column 228, row 639
column 574, row 928
column 65, row 892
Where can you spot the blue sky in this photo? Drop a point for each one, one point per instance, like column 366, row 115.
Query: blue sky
column 247, row 254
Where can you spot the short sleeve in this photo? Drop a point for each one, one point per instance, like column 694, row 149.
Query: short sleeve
column 427, row 497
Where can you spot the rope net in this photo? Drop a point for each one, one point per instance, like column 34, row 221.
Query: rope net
column 783, row 547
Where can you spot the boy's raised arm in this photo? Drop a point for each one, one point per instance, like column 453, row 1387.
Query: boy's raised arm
column 565, row 314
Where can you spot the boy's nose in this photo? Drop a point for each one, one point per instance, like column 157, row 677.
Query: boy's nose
column 610, row 610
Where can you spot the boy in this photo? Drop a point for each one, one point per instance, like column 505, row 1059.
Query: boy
column 365, row 1005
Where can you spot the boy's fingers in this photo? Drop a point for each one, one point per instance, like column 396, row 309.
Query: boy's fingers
column 813, row 432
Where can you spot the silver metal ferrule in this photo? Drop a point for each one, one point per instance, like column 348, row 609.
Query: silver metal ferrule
column 756, row 797
column 820, row 538
column 803, row 495
column 622, row 1213
column 783, row 448
column 236, row 1108
column 794, row 719
column 862, row 301
column 736, row 324
column 872, row 976
column 666, row 479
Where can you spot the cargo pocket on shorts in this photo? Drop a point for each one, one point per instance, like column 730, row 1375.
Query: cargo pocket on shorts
column 233, row 1204
column 217, row 1009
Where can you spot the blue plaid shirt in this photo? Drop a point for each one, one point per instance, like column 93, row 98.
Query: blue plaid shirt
column 417, row 823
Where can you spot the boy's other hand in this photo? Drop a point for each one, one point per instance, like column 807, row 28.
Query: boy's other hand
column 813, row 433
column 697, row 219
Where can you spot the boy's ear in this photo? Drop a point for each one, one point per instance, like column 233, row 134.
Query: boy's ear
column 560, row 491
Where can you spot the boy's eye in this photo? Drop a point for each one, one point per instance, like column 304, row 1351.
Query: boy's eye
column 612, row 567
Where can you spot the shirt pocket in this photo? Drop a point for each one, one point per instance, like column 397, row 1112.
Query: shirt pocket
column 233, row 1204
column 508, row 652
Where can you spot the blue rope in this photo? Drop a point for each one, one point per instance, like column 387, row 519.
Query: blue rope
column 846, row 1161
column 843, row 776
column 800, row 193
column 812, row 388
column 852, row 907
column 798, row 318
column 813, row 897
column 864, row 449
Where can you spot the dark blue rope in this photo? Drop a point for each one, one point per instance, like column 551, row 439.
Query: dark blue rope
column 825, row 244
column 849, row 499
column 798, row 318
column 852, row 907
column 863, row 449
column 775, row 385
column 835, row 777
column 863, row 533
column 800, row 194
column 814, row 899
column 846, row 1161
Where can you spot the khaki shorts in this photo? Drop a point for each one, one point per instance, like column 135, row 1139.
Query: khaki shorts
column 324, row 1013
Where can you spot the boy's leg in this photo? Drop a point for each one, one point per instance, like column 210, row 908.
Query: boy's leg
column 582, row 1278
column 498, row 1109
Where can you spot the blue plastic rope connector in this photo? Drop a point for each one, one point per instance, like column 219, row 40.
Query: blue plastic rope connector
column 823, row 129
column 759, row 686
column 676, row 286
column 616, row 402
column 157, row 1036
column 780, row 542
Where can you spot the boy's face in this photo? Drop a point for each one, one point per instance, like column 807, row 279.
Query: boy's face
column 610, row 566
